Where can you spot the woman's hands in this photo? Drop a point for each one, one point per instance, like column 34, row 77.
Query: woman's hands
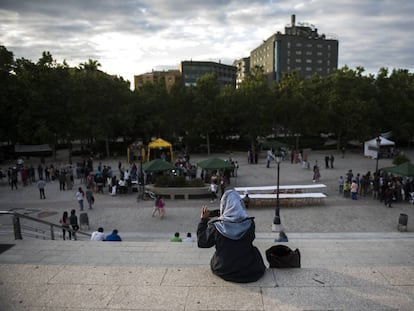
column 205, row 214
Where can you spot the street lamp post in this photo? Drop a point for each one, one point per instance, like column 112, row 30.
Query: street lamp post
column 276, row 220
column 378, row 140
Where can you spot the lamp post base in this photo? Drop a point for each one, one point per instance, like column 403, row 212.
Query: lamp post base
column 282, row 237
column 276, row 224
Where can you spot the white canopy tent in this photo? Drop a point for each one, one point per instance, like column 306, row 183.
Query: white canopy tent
column 370, row 146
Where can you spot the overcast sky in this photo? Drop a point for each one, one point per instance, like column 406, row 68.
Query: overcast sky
column 132, row 37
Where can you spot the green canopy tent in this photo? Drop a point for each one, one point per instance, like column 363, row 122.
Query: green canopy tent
column 405, row 169
column 157, row 165
column 215, row 164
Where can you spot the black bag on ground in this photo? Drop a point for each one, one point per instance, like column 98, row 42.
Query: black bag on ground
column 281, row 256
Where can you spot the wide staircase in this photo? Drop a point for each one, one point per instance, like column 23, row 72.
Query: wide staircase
column 371, row 271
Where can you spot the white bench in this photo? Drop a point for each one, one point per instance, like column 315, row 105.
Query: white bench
column 286, row 199
column 282, row 188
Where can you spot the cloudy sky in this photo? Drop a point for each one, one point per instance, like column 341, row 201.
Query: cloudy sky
column 131, row 37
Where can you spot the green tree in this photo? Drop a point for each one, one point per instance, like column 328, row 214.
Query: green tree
column 255, row 106
column 206, row 111
column 8, row 96
column 99, row 106
column 395, row 97
column 349, row 105
column 290, row 113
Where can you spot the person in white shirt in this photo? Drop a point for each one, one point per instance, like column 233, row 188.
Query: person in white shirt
column 213, row 191
column 98, row 235
column 189, row 238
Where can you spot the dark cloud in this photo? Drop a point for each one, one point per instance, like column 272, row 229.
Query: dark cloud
column 132, row 36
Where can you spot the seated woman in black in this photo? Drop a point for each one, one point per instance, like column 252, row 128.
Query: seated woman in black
column 235, row 259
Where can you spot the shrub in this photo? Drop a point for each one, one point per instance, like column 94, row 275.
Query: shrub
column 177, row 181
column 400, row 159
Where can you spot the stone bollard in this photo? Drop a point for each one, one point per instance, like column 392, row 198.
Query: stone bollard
column 402, row 223
column 84, row 220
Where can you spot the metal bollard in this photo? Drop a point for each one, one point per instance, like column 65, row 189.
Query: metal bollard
column 16, row 228
column 402, row 223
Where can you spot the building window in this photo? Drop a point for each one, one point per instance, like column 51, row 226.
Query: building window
column 298, row 60
column 298, row 52
column 308, row 52
column 319, row 46
column 308, row 68
column 319, row 53
column 288, row 45
column 298, row 44
column 309, row 61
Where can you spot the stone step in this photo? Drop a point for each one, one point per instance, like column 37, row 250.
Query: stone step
column 336, row 274
column 318, row 250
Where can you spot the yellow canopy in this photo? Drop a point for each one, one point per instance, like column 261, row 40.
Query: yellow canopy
column 160, row 149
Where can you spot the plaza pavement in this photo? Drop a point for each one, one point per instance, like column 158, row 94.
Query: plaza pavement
column 353, row 257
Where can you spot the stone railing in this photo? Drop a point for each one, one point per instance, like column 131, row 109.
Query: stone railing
column 185, row 192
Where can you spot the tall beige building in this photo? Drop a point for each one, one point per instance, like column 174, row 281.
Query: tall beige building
column 299, row 49
column 242, row 69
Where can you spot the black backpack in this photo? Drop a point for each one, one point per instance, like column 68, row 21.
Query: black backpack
column 281, row 256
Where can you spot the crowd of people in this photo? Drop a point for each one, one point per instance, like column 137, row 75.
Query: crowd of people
column 383, row 186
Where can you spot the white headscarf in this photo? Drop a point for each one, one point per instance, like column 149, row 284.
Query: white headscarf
column 232, row 222
column 231, row 207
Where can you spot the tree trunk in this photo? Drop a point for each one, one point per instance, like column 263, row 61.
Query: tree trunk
column 107, row 147
column 338, row 143
column 208, row 143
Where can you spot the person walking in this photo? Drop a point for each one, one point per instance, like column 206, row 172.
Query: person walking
column 89, row 197
column 388, row 194
column 41, row 186
column 341, row 184
column 79, row 196
column 222, row 186
column 73, row 220
column 213, row 191
column 159, row 207
column 62, row 180
column 332, row 159
column 64, row 222
column 13, row 178
column 316, row 173
column 269, row 157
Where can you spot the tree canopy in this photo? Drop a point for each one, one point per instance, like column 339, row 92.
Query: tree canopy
column 49, row 102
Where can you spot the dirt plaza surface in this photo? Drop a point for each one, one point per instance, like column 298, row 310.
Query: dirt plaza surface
column 133, row 219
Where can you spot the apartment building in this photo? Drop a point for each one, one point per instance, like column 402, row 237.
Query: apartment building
column 242, row 69
column 299, row 49
column 193, row 70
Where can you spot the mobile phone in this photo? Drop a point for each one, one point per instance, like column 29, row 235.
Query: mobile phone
column 214, row 213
